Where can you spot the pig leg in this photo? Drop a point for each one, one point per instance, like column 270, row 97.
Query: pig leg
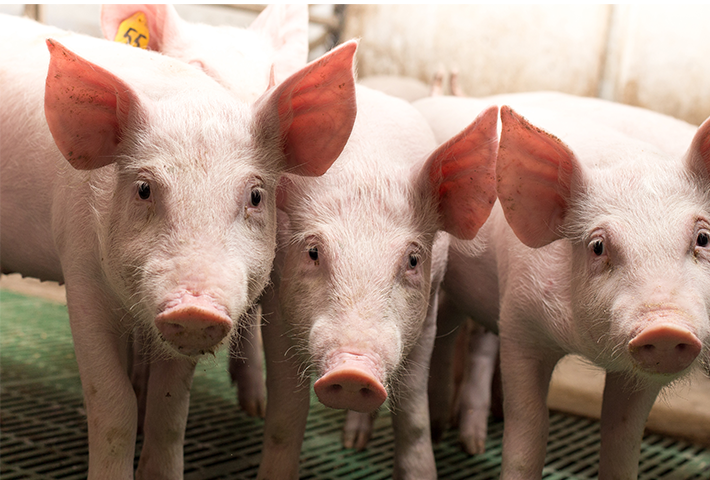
column 475, row 393
column 288, row 400
column 625, row 408
column 526, row 375
column 413, row 452
column 168, row 402
column 101, row 354
column 437, row 83
column 441, row 380
column 246, row 365
column 140, row 371
column 454, row 84
column 358, row 429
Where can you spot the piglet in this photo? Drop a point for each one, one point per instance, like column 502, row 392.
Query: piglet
column 600, row 246
column 470, row 407
column 361, row 252
column 149, row 190
column 243, row 60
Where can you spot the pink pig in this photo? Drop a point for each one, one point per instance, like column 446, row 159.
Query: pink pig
column 149, row 190
column 600, row 246
column 242, row 60
column 470, row 407
column 361, row 252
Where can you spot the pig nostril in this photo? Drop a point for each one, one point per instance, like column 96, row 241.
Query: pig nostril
column 365, row 392
column 335, row 388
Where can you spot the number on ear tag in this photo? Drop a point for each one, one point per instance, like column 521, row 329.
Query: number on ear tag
column 134, row 31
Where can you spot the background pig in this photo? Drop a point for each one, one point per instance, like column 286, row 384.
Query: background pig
column 242, row 60
column 361, row 252
column 160, row 218
column 470, row 407
column 611, row 263
column 239, row 59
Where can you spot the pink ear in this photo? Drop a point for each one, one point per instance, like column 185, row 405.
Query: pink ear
column 316, row 111
column 462, row 175
column 698, row 156
column 86, row 107
column 534, row 177
column 163, row 22
column 286, row 26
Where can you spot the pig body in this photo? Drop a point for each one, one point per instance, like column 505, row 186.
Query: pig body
column 361, row 252
column 245, row 61
column 139, row 194
column 599, row 246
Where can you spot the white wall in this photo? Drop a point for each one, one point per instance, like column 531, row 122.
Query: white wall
column 654, row 56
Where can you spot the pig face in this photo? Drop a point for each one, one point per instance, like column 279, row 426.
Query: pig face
column 175, row 230
column 183, row 189
column 357, row 246
column 363, row 289
column 646, row 276
column 637, row 221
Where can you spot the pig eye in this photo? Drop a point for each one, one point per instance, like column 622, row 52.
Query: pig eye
column 413, row 261
column 703, row 239
column 255, row 197
column 597, row 247
column 144, row 190
column 313, row 253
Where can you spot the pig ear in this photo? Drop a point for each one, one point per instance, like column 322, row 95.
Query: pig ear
column 86, row 108
column 286, row 26
column 534, row 175
column 698, row 156
column 315, row 111
column 462, row 175
column 162, row 23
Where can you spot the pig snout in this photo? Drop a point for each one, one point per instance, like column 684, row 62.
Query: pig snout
column 193, row 325
column 351, row 383
column 664, row 348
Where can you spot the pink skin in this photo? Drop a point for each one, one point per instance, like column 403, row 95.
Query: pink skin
column 351, row 382
column 133, row 206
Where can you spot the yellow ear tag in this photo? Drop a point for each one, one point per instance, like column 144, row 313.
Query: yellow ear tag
column 134, row 31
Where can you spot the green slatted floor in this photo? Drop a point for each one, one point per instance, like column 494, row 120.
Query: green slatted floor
column 44, row 428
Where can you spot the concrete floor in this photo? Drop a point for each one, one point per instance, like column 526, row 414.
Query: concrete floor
column 681, row 412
